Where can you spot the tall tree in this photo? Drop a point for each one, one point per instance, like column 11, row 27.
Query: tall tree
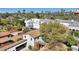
column 19, row 12
column 24, row 11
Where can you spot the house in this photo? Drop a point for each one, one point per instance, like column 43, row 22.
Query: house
column 29, row 23
column 36, row 23
column 33, row 23
column 71, row 24
column 19, row 40
column 15, row 41
column 11, row 43
column 32, row 37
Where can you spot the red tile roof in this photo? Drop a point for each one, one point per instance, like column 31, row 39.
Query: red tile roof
column 16, row 32
column 4, row 34
column 4, row 39
column 34, row 33
column 11, row 45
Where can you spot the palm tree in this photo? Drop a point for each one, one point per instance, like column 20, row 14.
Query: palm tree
column 24, row 11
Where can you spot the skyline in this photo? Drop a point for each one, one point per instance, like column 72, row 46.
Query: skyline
column 13, row 10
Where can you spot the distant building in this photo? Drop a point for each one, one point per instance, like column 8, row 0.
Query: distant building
column 35, row 23
column 71, row 24
column 29, row 23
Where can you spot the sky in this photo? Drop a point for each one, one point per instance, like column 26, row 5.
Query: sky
column 12, row 10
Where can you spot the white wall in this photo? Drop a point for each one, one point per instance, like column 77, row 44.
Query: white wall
column 26, row 23
column 29, row 23
column 33, row 23
column 30, row 40
column 11, row 49
column 40, row 39
column 36, row 23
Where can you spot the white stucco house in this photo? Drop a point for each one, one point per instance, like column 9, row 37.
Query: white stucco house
column 29, row 23
column 71, row 24
column 36, row 23
column 31, row 37
column 33, row 23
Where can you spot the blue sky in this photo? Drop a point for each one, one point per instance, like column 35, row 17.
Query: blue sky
column 3, row 10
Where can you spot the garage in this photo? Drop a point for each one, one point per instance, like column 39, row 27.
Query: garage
column 21, row 47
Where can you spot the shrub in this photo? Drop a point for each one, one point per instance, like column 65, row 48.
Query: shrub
column 30, row 47
column 34, row 49
column 76, row 34
column 71, row 41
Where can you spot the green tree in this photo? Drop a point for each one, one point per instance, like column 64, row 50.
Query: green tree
column 37, row 15
column 71, row 41
column 54, row 32
column 19, row 12
column 24, row 11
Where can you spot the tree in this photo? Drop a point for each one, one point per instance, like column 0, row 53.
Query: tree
column 0, row 20
column 37, row 15
column 24, row 11
column 19, row 12
column 71, row 41
column 54, row 32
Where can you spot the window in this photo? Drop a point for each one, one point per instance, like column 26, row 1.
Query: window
column 24, row 36
column 13, row 50
column 31, row 39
